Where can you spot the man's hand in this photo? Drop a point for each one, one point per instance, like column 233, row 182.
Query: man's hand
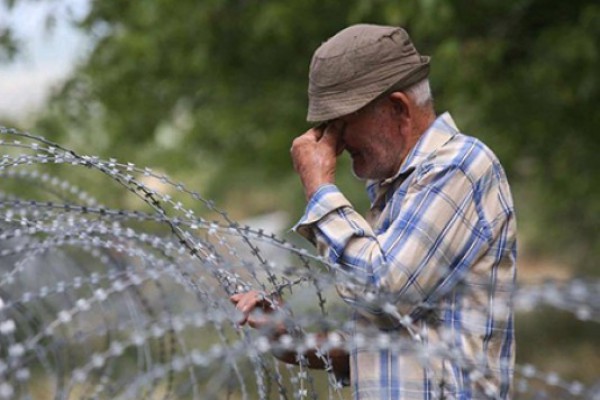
column 251, row 301
column 314, row 155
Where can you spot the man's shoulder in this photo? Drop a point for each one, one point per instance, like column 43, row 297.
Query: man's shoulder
column 465, row 153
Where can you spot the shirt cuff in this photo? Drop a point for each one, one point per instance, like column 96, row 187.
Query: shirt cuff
column 326, row 199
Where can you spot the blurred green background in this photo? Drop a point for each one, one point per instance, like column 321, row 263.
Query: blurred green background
column 213, row 92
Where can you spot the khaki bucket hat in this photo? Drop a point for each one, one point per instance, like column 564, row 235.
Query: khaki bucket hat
column 357, row 65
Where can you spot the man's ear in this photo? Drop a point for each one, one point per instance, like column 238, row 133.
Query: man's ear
column 402, row 103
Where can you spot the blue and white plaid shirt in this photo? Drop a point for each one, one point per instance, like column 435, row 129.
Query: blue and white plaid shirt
column 439, row 244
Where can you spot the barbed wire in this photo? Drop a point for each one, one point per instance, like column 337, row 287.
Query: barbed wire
column 100, row 302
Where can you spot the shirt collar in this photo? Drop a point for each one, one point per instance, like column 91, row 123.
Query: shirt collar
column 439, row 133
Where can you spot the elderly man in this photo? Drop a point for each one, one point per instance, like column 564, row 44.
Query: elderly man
column 438, row 243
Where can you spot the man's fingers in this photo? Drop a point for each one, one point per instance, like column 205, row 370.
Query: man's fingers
column 248, row 302
column 332, row 137
column 316, row 134
column 313, row 134
column 244, row 303
column 245, row 309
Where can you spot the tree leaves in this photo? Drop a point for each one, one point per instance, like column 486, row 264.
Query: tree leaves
column 227, row 80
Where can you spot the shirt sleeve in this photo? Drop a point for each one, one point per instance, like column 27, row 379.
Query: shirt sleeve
column 434, row 234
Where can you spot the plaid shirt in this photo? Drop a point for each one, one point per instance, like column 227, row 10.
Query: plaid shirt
column 439, row 244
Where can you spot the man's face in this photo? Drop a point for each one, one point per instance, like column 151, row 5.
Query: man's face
column 372, row 137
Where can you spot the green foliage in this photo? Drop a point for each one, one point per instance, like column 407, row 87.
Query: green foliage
column 537, row 90
column 8, row 44
column 215, row 90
